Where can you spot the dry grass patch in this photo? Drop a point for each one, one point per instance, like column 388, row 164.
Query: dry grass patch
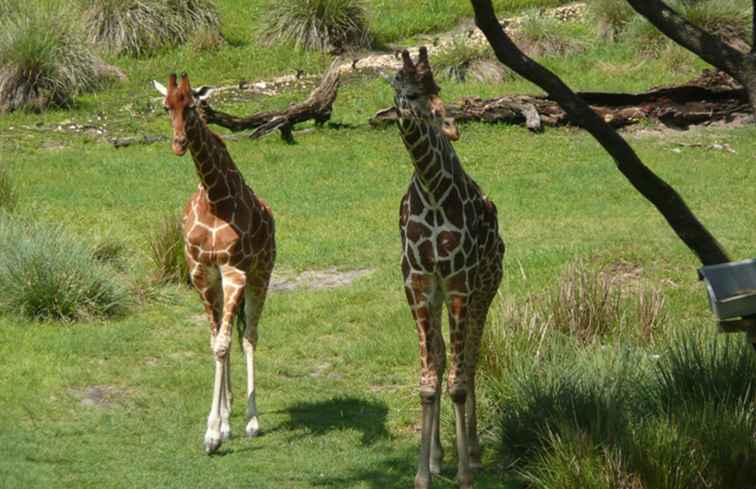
column 139, row 27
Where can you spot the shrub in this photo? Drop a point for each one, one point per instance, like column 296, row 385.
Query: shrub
column 44, row 60
column 318, row 24
column 47, row 274
column 138, row 27
column 8, row 197
column 167, row 251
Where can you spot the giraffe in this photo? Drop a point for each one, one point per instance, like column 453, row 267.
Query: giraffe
column 451, row 254
column 230, row 249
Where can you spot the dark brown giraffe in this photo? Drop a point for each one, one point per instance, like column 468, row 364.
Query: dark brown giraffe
column 230, row 249
column 452, row 254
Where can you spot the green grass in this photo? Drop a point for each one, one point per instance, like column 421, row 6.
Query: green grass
column 337, row 368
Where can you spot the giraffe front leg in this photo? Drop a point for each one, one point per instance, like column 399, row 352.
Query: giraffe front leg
column 420, row 291
column 218, row 427
column 225, row 408
column 457, row 383
column 234, row 281
column 439, row 354
column 207, row 282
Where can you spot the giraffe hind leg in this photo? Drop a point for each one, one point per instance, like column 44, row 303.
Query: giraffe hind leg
column 254, row 301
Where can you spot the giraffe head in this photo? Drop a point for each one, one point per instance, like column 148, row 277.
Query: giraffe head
column 417, row 94
column 180, row 102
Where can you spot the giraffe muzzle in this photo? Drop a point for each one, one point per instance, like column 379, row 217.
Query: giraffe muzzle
column 179, row 146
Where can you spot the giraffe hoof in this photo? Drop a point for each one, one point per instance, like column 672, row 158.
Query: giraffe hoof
column 212, row 445
column 225, row 434
column 253, row 428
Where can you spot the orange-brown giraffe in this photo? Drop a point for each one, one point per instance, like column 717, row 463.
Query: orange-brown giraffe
column 230, row 249
column 452, row 254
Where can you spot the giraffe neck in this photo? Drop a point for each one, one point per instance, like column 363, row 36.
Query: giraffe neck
column 436, row 163
column 217, row 172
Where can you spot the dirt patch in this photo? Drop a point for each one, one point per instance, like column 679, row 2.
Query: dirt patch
column 101, row 396
column 328, row 278
column 622, row 272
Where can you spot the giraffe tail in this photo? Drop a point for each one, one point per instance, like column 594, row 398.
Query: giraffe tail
column 241, row 323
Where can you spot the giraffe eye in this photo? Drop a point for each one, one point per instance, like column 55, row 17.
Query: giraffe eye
column 412, row 96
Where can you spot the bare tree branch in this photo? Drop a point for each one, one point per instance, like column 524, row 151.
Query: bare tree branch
column 317, row 106
column 654, row 189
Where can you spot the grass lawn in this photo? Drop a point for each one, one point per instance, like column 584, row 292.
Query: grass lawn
column 123, row 402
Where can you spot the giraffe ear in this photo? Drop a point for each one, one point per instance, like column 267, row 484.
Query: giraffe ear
column 160, row 88
column 203, row 92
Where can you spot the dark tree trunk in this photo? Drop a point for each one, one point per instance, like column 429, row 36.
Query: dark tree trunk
column 712, row 49
column 658, row 192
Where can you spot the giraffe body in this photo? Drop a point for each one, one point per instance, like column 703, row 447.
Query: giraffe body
column 230, row 248
column 451, row 254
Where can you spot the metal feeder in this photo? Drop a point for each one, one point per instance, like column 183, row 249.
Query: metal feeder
column 732, row 295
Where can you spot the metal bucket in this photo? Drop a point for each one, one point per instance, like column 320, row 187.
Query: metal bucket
column 731, row 287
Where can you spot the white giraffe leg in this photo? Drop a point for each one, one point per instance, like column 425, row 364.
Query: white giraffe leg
column 225, row 427
column 213, row 433
column 253, row 424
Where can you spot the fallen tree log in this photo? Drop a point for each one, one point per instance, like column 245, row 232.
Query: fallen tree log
column 711, row 97
column 317, row 107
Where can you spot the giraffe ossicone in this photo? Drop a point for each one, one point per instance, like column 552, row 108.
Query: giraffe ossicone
column 229, row 237
column 451, row 254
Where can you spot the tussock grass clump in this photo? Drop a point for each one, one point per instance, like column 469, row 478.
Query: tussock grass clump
column 690, row 371
column 44, row 59
column 462, row 60
column 542, row 35
column 685, row 418
column 730, row 19
column 206, row 40
column 318, row 24
column 167, row 251
column 611, row 16
column 138, row 27
column 8, row 197
column 590, row 304
column 46, row 274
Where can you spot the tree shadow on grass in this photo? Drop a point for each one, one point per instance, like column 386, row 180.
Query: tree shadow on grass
column 341, row 413
column 397, row 471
